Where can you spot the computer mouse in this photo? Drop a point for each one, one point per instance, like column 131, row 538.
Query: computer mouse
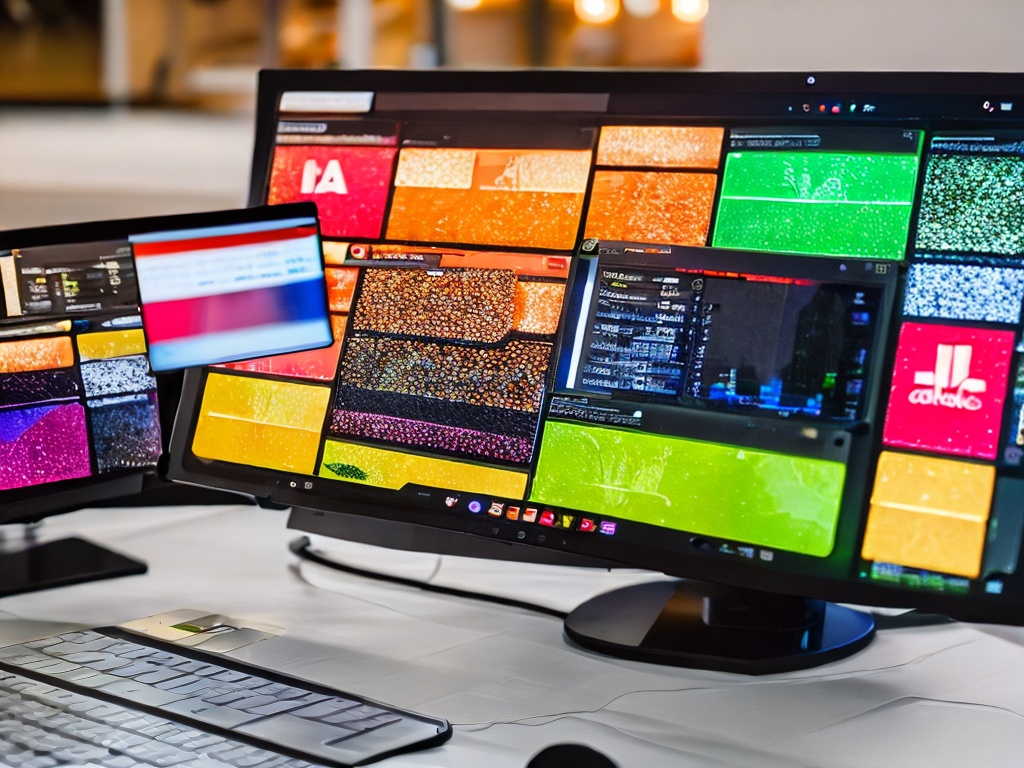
column 570, row 756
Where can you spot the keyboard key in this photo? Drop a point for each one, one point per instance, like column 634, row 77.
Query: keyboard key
column 231, row 676
column 106, row 662
column 158, row 675
column 184, row 679
column 227, row 698
column 136, row 668
column 98, row 680
column 136, row 653
column 195, row 687
column 46, row 664
column 252, row 701
column 140, row 693
column 296, row 693
column 84, row 657
column 274, row 708
column 187, row 666
column 81, row 636
column 322, row 709
column 74, row 675
column 94, row 645
column 208, row 670
column 55, row 697
column 222, row 717
column 46, row 642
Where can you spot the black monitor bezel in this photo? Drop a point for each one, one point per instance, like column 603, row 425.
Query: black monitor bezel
column 950, row 100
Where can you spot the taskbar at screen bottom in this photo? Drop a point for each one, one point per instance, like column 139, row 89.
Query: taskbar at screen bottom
column 843, row 577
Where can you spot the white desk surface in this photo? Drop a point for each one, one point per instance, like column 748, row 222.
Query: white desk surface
column 949, row 695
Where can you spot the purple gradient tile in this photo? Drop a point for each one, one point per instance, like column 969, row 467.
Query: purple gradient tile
column 43, row 445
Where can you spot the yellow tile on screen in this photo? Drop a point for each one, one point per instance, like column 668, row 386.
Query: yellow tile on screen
column 107, row 344
column 929, row 513
column 382, row 468
column 261, row 423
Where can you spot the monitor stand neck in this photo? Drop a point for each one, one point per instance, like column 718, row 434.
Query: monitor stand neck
column 713, row 626
column 28, row 564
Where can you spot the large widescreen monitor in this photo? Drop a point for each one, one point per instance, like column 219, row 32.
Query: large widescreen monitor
column 94, row 317
column 761, row 330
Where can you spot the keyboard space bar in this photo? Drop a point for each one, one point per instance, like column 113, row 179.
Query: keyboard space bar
column 334, row 743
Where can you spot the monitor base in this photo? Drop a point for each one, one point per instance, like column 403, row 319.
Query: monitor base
column 712, row 626
column 33, row 566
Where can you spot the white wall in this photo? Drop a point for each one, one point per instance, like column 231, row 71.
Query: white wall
column 807, row 35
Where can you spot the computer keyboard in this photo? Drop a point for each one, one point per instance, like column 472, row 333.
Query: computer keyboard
column 108, row 698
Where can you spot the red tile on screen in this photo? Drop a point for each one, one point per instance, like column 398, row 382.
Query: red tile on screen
column 948, row 389
column 348, row 184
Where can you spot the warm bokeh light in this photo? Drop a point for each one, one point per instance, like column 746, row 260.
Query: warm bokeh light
column 690, row 11
column 465, row 5
column 642, row 9
column 596, row 11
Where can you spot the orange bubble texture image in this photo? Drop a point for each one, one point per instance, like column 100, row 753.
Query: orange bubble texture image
column 672, row 208
column 660, row 146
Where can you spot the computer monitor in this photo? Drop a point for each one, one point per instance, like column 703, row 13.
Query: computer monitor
column 83, row 416
column 761, row 331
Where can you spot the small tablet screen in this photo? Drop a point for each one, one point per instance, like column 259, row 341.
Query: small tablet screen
column 231, row 292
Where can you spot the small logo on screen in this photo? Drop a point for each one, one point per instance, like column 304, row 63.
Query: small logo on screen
column 948, row 389
column 320, row 181
column 949, row 384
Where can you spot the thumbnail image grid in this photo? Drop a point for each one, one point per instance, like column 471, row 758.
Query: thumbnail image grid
column 654, row 184
column 56, row 418
column 515, row 198
column 660, row 146
column 772, row 499
column 260, row 422
column 125, row 431
column 43, row 444
column 964, row 292
column 349, row 185
column 472, row 305
column 817, row 203
column 487, row 399
column 930, row 513
column 449, row 360
column 972, row 204
column 949, row 386
column 670, row 208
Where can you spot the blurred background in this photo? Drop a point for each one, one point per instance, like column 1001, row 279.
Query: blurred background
column 131, row 107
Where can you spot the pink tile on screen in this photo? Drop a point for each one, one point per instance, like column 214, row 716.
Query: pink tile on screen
column 43, row 444
column 948, row 389
column 348, row 184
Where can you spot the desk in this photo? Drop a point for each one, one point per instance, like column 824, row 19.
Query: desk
column 950, row 695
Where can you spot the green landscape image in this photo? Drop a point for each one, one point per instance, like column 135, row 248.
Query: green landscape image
column 817, row 203
column 774, row 500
